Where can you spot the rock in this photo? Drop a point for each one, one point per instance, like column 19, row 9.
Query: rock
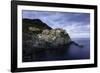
column 38, row 36
column 54, row 37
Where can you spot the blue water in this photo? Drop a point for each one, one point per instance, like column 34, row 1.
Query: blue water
column 76, row 52
column 72, row 53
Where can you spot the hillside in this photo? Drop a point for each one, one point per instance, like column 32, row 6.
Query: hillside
column 34, row 23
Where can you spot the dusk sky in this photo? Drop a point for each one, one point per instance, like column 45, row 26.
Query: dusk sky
column 76, row 24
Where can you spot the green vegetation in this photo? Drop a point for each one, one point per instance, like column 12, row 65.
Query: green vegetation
column 36, row 23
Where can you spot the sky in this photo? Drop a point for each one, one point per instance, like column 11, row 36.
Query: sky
column 77, row 25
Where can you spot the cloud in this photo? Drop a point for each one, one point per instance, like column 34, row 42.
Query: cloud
column 76, row 24
column 76, row 30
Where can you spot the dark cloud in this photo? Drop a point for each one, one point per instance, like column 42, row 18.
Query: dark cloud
column 71, row 21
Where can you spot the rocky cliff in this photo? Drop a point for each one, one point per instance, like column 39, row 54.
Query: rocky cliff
column 38, row 36
column 46, row 38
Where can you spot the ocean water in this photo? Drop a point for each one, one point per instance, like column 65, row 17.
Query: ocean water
column 74, row 52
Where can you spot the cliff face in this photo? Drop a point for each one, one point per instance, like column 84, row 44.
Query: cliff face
column 38, row 36
column 54, row 38
column 46, row 38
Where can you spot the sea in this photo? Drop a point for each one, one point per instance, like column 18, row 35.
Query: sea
column 72, row 53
